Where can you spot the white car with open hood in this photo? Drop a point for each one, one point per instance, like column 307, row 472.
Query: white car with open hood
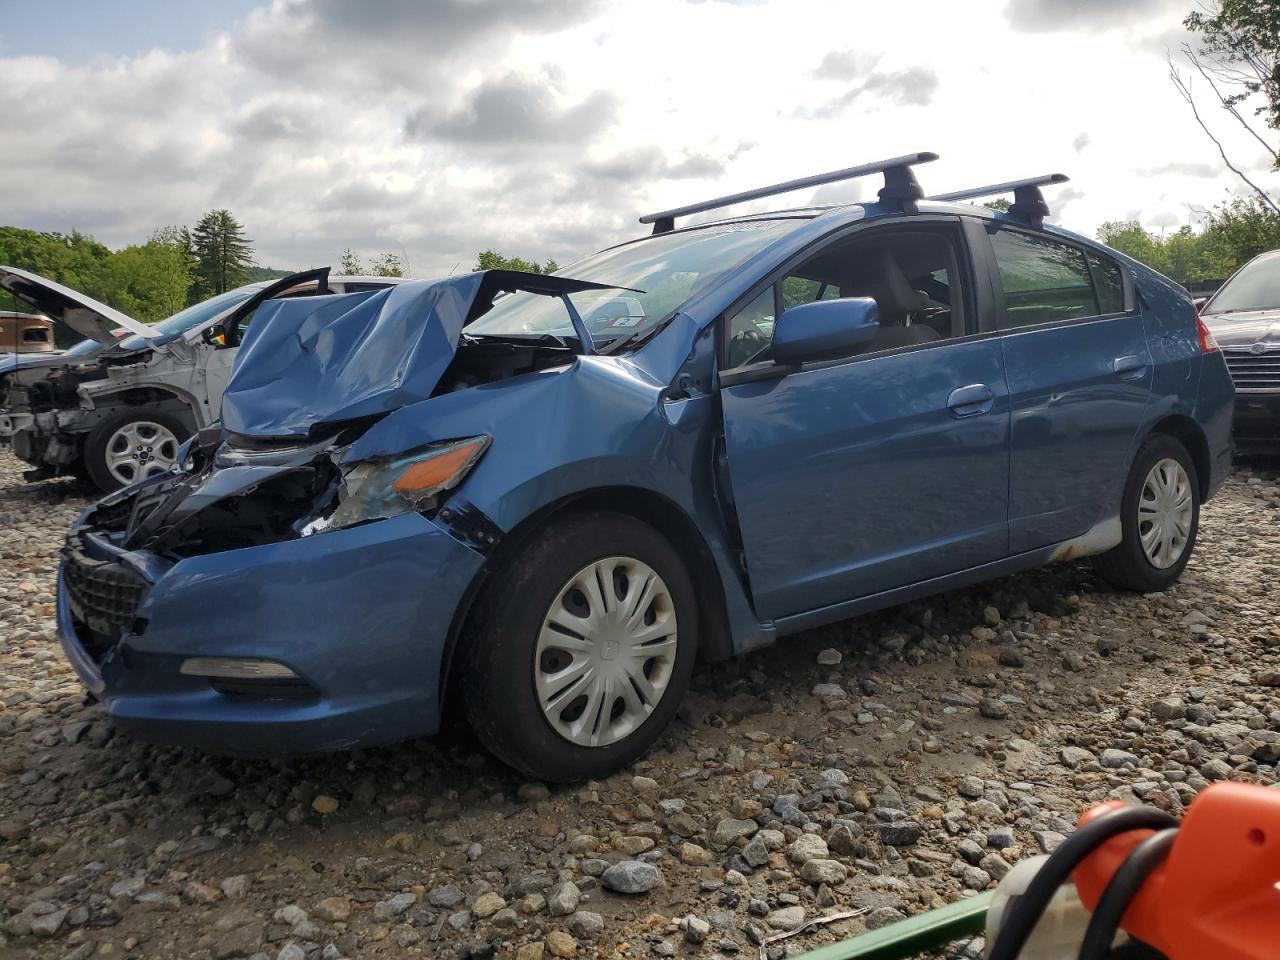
column 118, row 414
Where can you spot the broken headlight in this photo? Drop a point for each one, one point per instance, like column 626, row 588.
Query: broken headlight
column 416, row 481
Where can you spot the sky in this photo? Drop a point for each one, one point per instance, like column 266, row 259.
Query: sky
column 434, row 129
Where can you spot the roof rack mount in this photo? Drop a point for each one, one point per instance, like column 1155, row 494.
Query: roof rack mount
column 900, row 188
column 1028, row 201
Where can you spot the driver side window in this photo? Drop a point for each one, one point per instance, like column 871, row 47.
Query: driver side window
column 911, row 271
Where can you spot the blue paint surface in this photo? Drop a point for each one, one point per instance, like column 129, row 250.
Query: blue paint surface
column 804, row 493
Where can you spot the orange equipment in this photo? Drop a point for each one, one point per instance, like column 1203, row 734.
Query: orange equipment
column 1217, row 891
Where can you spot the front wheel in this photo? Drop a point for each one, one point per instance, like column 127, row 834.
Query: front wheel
column 581, row 648
column 1159, row 516
column 131, row 445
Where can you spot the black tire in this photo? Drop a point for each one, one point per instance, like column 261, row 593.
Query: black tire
column 495, row 676
column 1127, row 565
column 95, row 444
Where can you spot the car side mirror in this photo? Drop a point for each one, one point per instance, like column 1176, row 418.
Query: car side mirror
column 1199, row 302
column 824, row 330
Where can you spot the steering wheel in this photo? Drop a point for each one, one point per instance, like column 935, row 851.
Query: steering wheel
column 745, row 344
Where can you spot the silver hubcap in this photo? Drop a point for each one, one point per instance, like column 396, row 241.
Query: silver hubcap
column 1164, row 513
column 605, row 652
column 139, row 450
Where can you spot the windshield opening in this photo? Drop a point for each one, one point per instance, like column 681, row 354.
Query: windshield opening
column 663, row 271
column 1255, row 287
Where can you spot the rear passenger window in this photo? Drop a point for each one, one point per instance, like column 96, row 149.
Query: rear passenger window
column 1110, row 283
column 1044, row 280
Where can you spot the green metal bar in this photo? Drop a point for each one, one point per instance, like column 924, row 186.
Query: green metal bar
column 914, row 935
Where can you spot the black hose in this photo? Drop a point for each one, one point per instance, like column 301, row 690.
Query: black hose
column 1024, row 912
column 1122, row 888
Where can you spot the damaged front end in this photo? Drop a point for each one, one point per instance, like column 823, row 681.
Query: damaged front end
column 311, row 378
column 235, row 494
column 231, row 595
column 43, row 417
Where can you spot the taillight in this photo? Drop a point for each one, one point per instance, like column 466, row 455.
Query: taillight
column 1208, row 342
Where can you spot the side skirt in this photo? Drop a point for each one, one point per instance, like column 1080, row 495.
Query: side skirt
column 1099, row 539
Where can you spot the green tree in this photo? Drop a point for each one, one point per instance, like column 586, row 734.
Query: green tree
column 382, row 265
column 349, row 264
column 1131, row 239
column 1241, row 42
column 73, row 260
column 1240, row 230
column 386, row 265
column 223, row 253
column 152, row 280
column 1233, row 233
column 492, row 260
column 1238, row 60
column 258, row 273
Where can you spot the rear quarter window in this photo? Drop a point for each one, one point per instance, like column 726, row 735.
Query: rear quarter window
column 1044, row 281
column 1109, row 282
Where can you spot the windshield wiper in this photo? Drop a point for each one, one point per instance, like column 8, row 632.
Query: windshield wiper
column 638, row 338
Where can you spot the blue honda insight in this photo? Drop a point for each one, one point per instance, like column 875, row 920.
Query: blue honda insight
column 544, row 497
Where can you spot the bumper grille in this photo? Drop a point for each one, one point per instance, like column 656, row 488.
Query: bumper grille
column 1254, row 371
column 103, row 594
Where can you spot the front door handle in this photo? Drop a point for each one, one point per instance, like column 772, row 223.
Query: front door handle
column 971, row 401
column 1129, row 368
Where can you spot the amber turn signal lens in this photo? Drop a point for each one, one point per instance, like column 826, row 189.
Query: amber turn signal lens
column 436, row 472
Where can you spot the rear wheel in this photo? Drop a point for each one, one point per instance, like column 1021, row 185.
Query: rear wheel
column 1159, row 515
column 131, row 445
column 581, row 649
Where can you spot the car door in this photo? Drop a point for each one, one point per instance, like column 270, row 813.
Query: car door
column 1080, row 374
column 890, row 467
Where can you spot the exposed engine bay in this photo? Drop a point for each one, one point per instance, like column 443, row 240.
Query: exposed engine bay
column 234, row 491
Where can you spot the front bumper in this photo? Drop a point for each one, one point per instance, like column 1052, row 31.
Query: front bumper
column 361, row 615
column 1257, row 422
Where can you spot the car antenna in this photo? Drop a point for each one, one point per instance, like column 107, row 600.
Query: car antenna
column 1028, row 202
column 900, row 190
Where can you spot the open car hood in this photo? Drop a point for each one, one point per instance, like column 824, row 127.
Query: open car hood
column 341, row 358
column 84, row 315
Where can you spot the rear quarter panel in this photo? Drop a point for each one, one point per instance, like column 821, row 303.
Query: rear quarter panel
column 1186, row 382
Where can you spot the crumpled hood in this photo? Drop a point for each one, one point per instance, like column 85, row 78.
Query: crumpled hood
column 321, row 359
column 340, row 358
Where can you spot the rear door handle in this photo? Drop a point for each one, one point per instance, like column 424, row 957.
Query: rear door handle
column 1129, row 368
column 971, row 401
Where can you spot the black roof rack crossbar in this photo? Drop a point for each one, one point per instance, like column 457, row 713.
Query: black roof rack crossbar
column 900, row 187
column 1028, row 201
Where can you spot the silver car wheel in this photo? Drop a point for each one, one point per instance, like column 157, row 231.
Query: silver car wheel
column 1165, row 511
column 140, row 449
column 605, row 652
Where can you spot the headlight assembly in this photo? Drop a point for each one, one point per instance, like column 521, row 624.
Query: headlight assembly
column 414, row 481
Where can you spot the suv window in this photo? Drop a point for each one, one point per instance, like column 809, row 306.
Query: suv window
column 1044, row 280
column 913, row 274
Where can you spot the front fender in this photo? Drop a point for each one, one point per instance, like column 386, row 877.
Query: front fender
column 600, row 422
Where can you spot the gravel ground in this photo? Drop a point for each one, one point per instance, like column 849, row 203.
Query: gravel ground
column 889, row 765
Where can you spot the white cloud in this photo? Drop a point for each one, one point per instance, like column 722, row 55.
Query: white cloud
column 543, row 128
